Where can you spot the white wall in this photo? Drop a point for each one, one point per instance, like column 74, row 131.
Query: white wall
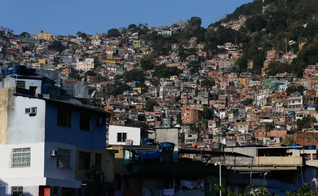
column 24, row 176
column 43, row 168
column 23, row 128
column 132, row 134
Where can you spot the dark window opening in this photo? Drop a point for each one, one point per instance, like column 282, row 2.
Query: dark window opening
column 121, row 137
column 85, row 122
column 64, row 118
column 84, row 160
column 98, row 162
column 16, row 190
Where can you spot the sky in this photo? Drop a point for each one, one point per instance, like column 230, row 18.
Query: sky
column 63, row 17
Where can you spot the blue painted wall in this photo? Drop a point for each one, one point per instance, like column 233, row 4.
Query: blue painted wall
column 94, row 139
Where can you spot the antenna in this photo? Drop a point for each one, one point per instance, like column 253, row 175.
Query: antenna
column 42, row 28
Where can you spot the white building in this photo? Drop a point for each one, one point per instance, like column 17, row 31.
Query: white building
column 42, row 141
column 85, row 65
column 119, row 135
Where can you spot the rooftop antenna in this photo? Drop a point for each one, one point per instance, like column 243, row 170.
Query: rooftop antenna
column 42, row 28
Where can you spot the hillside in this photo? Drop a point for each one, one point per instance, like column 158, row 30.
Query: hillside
column 288, row 26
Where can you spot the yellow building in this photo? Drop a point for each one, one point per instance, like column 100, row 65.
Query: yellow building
column 243, row 81
column 92, row 165
column 42, row 61
column 110, row 62
column 138, row 89
column 45, row 36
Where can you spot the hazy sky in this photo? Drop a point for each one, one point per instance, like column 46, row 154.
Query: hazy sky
column 62, row 17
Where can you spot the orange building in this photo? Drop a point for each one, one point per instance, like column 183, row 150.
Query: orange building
column 189, row 115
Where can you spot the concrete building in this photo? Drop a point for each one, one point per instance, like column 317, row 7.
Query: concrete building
column 51, row 146
column 120, row 135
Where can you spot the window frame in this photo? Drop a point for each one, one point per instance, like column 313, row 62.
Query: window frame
column 16, row 190
column 24, row 158
column 64, row 118
column 63, row 156
column 122, row 138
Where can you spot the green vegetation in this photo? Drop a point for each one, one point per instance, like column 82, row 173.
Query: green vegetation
column 208, row 113
column 141, row 125
column 149, row 105
column 113, row 33
column 56, row 46
column 207, row 83
column 163, row 71
column 293, row 89
column 134, row 75
column 25, row 35
column 305, row 122
column 115, row 89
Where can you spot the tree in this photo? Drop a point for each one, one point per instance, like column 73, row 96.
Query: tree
column 208, row 113
column 163, row 71
column 133, row 28
column 113, row 33
column 146, row 62
column 25, row 35
column 247, row 102
column 255, row 23
column 305, row 122
column 179, row 119
column 155, row 83
column 56, row 46
column 293, row 89
column 149, row 105
column 115, row 89
column 194, row 66
column 208, row 83
column 141, row 125
column 81, row 34
column 134, row 75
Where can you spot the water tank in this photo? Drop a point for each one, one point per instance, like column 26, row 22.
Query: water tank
column 167, row 149
column 294, row 145
column 216, row 146
column 309, row 147
column 16, row 69
column 167, row 121
column 4, row 72
column 147, row 142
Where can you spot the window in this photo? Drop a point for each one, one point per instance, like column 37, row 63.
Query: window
column 98, row 162
column 21, row 157
column 85, row 122
column 84, row 160
column 64, row 118
column 16, row 190
column 63, row 158
column 121, row 137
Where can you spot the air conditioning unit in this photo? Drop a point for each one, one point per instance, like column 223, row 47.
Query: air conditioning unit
column 33, row 110
column 53, row 153
column 27, row 110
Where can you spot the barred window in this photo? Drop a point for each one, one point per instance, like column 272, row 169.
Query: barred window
column 21, row 157
column 16, row 190
column 63, row 158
